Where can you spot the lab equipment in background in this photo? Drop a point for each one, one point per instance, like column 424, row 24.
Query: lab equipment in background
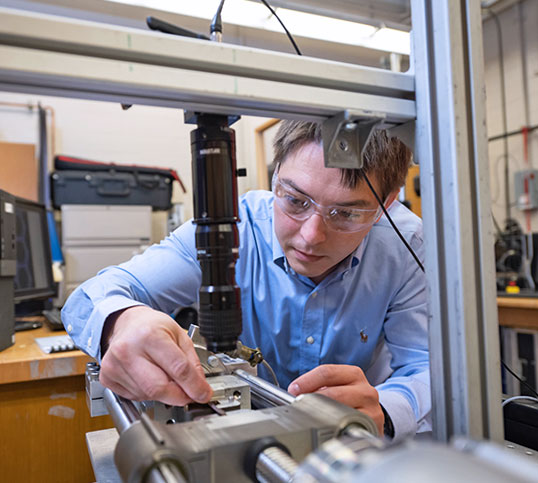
column 33, row 280
column 7, row 269
column 55, row 343
column 27, row 324
column 520, row 352
column 79, row 181
column 516, row 263
column 34, row 284
column 526, row 189
column 96, row 236
column 176, row 217
column 521, row 422
column 53, row 318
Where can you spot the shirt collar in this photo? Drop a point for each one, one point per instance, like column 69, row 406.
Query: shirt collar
column 357, row 255
column 278, row 254
column 351, row 261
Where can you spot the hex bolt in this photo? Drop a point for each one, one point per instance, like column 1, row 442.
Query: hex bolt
column 213, row 361
column 343, row 145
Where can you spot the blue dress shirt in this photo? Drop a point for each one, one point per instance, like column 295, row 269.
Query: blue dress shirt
column 370, row 311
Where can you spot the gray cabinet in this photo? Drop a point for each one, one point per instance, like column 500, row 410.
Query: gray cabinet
column 96, row 236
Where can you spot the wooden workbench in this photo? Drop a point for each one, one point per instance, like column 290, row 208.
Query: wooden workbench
column 43, row 413
column 518, row 312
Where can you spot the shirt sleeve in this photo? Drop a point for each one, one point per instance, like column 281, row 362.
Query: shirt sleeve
column 406, row 394
column 166, row 276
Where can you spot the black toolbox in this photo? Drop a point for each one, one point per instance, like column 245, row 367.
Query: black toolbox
column 79, row 181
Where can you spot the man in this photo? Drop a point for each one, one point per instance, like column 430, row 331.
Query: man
column 329, row 293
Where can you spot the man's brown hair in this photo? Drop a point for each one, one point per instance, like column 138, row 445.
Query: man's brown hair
column 387, row 158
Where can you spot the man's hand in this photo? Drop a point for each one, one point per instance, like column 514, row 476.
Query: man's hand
column 150, row 357
column 345, row 384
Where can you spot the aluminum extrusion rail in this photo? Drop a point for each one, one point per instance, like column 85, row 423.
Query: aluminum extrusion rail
column 51, row 55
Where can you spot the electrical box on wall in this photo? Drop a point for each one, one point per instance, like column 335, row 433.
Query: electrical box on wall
column 526, row 189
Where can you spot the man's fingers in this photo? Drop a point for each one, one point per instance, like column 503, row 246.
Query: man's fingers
column 156, row 385
column 115, row 386
column 151, row 382
column 152, row 358
column 182, row 366
column 115, row 374
column 356, row 397
column 345, row 384
column 327, row 375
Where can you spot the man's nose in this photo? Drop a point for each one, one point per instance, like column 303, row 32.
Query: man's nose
column 314, row 230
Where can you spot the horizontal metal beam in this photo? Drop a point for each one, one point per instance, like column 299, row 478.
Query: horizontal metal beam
column 57, row 56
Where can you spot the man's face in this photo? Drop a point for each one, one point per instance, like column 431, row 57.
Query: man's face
column 311, row 247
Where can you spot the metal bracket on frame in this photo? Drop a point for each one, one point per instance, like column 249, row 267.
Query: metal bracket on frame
column 345, row 136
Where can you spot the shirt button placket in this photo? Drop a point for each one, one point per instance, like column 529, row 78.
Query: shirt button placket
column 310, row 333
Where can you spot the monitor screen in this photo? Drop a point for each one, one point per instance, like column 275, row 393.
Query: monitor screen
column 33, row 279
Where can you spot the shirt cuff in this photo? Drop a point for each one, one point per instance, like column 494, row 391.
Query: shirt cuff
column 98, row 317
column 401, row 413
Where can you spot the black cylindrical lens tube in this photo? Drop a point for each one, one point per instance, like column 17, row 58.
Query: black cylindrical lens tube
column 217, row 236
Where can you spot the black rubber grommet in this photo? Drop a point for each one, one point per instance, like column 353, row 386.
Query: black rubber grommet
column 253, row 452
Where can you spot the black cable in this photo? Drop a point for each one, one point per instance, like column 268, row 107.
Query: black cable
column 512, row 133
column 283, row 26
column 216, row 23
column 497, row 227
column 404, row 241
column 528, row 386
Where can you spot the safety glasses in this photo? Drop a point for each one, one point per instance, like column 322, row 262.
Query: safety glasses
column 301, row 207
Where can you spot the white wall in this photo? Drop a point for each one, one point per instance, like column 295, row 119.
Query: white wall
column 512, row 31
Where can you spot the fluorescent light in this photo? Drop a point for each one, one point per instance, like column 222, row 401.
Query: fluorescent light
column 255, row 15
column 325, row 28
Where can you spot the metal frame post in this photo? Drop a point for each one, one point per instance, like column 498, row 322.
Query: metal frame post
column 452, row 152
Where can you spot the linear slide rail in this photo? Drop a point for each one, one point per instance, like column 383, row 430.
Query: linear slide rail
column 51, row 55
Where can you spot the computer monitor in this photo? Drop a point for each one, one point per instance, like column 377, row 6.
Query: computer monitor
column 33, row 279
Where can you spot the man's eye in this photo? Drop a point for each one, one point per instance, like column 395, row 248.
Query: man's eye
column 346, row 215
column 296, row 203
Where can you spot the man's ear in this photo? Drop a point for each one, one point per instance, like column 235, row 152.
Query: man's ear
column 388, row 201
